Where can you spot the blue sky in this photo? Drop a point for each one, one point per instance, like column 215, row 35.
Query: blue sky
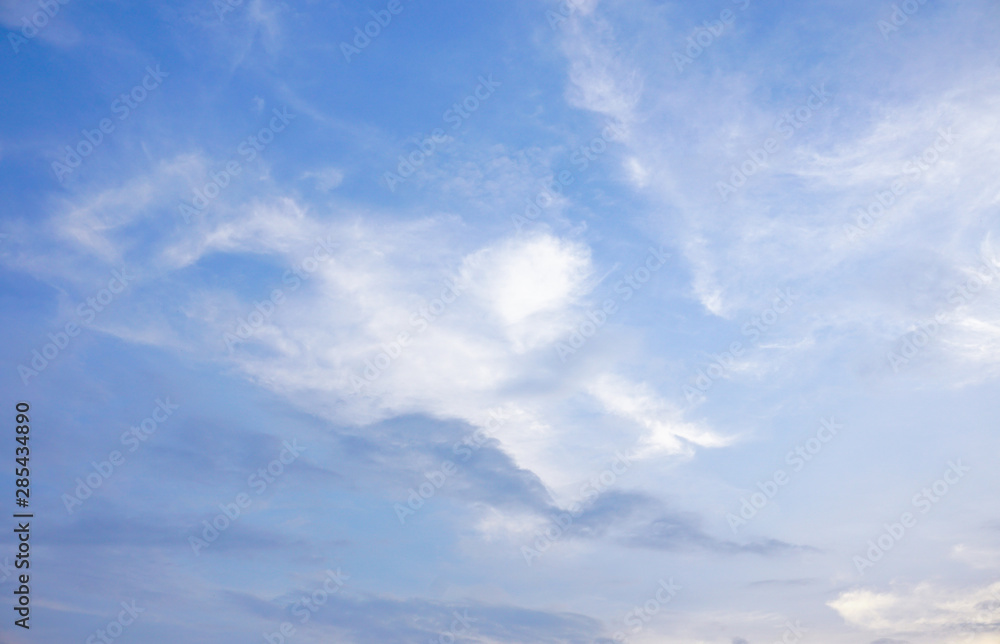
column 593, row 322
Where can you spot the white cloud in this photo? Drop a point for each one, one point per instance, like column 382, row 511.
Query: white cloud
column 526, row 277
column 926, row 609
column 666, row 431
column 99, row 222
column 600, row 80
column 325, row 179
column 529, row 285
